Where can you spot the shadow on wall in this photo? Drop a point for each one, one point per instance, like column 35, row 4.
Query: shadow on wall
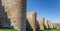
column 28, row 27
column 37, row 26
column 4, row 20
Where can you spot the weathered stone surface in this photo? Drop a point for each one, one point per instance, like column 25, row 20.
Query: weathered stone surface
column 49, row 23
column 41, row 23
column 46, row 24
column 55, row 25
column 52, row 25
column 16, row 11
column 4, row 21
column 31, row 18
column 37, row 25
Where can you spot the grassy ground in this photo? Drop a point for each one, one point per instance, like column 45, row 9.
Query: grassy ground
column 46, row 30
column 10, row 29
column 6, row 29
column 52, row 30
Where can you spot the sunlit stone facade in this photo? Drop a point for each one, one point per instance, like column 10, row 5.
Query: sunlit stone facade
column 41, row 23
column 31, row 19
column 16, row 12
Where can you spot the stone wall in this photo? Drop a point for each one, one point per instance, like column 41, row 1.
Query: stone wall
column 46, row 24
column 4, row 21
column 55, row 25
column 49, row 24
column 13, row 14
column 16, row 11
column 41, row 23
column 31, row 18
column 52, row 25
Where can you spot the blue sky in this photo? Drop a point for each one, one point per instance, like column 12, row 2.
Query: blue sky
column 49, row 9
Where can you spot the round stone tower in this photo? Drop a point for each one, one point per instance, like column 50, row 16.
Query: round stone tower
column 16, row 11
column 41, row 23
column 31, row 18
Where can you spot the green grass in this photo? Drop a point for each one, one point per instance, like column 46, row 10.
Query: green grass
column 10, row 29
column 46, row 30
column 7, row 29
column 52, row 30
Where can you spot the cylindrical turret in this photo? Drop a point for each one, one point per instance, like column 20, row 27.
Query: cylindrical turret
column 31, row 18
column 41, row 23
column 46, row 24
column 16, row 10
